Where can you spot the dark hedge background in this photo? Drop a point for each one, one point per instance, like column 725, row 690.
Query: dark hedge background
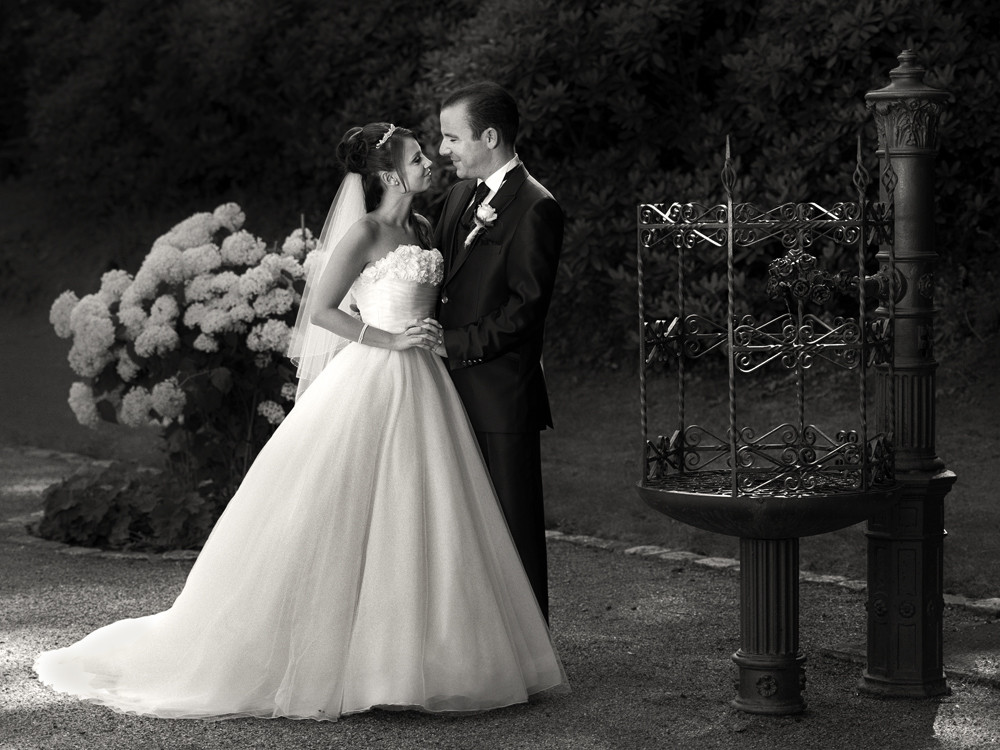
column 130, row 114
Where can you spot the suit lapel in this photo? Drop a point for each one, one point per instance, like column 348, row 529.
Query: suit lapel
column 508, row 190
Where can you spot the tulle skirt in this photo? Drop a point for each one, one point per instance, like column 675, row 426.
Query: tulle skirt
column 364, row 562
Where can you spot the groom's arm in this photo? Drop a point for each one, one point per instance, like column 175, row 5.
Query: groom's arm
column 533, row 257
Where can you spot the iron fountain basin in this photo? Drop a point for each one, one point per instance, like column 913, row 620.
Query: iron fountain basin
column 766, row 516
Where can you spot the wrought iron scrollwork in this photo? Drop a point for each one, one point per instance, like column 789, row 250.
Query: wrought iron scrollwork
column 796, row 275
column 797, row 457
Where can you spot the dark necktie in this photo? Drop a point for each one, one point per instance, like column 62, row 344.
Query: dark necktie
column 481, row 192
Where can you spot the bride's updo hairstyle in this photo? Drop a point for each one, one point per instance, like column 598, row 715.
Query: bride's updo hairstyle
column 376, row 147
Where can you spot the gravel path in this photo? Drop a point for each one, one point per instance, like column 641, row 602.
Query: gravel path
column 646, row 642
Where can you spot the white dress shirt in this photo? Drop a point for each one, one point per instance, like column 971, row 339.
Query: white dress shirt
column 495, row 180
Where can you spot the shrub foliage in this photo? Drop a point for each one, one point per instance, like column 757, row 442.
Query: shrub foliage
column 122, row 507
column 624, row 101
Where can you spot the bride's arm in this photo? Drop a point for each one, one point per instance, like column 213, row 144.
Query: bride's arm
column 347, row 260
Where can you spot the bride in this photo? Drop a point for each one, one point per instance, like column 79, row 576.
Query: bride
column 364, row 561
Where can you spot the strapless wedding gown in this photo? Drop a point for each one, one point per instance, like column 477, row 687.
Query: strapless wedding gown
column 364, row 561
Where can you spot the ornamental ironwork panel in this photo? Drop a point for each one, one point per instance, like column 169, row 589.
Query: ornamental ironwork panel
column 783, row 316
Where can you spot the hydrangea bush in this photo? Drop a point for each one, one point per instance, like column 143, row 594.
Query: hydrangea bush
column 193, row 344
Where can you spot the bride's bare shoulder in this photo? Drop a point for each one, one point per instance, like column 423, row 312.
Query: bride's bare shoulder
column 364, row 238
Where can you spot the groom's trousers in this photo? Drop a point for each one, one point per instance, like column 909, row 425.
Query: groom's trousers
column 515, row 465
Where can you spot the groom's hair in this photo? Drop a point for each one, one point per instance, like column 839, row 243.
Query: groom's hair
column 488, row 106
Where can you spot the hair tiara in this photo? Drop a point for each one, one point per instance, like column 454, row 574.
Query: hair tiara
column 387, row 136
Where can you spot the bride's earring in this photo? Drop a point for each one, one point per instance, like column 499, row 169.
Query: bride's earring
column 393, row 181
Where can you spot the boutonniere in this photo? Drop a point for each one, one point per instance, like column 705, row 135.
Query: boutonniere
column 484, row 218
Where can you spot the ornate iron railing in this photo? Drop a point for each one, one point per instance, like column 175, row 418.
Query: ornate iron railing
column 793, row 457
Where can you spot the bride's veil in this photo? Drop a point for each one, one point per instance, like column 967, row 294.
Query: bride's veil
column 311, row 346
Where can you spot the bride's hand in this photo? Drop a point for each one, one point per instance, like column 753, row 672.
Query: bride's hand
column 423, row 334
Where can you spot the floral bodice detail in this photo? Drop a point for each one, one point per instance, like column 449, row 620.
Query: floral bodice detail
column 408, row 263
column 400, row 287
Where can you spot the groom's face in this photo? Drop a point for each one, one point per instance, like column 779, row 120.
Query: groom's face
column 471, row 156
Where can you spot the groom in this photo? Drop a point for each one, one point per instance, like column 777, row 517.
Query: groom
column 501, row 233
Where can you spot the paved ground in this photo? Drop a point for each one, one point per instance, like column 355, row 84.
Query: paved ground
column 645, row 637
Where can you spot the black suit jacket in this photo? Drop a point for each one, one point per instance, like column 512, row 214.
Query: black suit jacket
column 494, row 299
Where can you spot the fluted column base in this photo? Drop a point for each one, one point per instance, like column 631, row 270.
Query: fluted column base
column 772, row 673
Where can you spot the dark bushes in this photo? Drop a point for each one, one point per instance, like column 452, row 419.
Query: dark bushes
column 624, row 101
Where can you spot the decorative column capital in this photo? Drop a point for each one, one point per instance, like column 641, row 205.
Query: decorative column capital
column 907, row 111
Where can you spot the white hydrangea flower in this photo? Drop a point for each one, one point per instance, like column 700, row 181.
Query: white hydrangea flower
column 200, row 260
column 169, row 399
column 275, row 302
column 298, row 243
column 138, row 293
column 195, row 315
column 59, row 313
column 134, row 318
column 93, row 336
column 242, row 249
column 143, row 289
column 200, row 288
column 127, row 368
column 268, row 273
column 230, row 216
column 156, row 338
column 113, row 285
column 277, row 263
column 241, row 312
column 271, row 411
column 135, row 407
column 269, row 336
column 228, row 285
column 165, row 263
column 225, row 282
column 88, row 363
column 206, row 343
column 256, row 280
column 215, row 321
column 90, row 307
column 193, row 231
column 81, row 401
column 164, row 310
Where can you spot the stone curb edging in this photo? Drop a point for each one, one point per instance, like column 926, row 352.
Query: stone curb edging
column 988, row 607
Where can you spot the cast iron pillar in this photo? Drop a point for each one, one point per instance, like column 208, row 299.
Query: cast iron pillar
column 772, row 673
column 906, row 541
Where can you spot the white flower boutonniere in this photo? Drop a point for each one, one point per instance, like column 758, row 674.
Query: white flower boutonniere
column 484, row 218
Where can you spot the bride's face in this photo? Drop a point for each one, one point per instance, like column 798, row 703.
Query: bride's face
column 415, row 172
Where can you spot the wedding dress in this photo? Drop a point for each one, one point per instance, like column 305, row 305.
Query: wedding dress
column 364, row 561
